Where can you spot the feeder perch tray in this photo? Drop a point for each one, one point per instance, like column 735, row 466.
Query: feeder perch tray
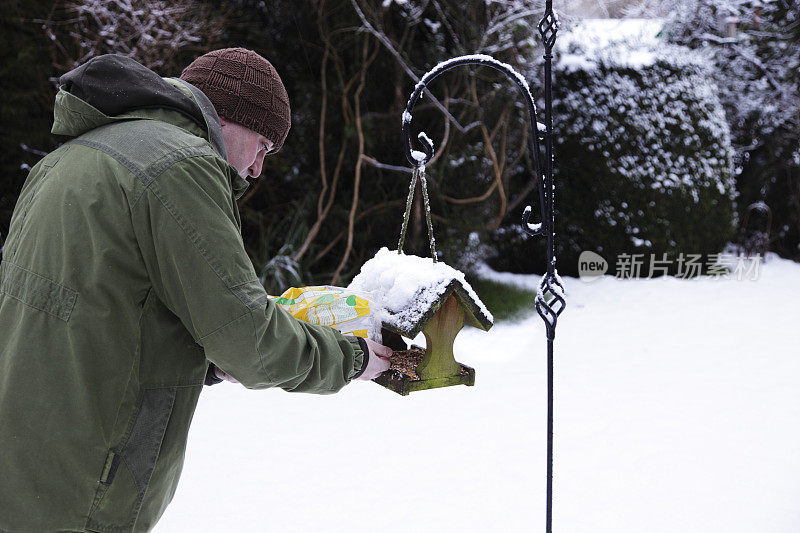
column 402, row 376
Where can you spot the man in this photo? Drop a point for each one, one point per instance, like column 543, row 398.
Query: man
column 124, row 278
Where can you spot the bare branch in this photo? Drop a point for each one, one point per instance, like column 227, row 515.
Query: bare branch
column 150, row 31
column 383, row 166
column 385, row 41
column 357, row 181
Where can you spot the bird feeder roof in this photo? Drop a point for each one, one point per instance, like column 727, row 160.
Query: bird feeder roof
column 412, row 289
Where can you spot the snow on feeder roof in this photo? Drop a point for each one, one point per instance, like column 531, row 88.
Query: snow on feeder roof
column 412, row 289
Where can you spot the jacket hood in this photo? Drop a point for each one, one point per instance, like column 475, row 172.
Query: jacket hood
column 112, row 87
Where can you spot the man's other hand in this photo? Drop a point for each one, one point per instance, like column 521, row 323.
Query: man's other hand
column 222, row 375
column 378, row 360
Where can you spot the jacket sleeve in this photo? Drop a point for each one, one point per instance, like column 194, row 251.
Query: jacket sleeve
column 187, row 225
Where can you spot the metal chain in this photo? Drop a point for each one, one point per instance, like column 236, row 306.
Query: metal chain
column 418, row 173
column 424, row 184
column 410, row 199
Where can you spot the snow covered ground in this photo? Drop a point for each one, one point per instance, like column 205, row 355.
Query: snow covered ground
column 677, row 408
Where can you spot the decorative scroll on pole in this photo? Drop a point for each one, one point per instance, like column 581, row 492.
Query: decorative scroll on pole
column 549, row 301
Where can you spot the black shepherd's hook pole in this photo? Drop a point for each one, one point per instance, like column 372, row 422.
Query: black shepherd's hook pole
column 549, row 300
column 550, row 285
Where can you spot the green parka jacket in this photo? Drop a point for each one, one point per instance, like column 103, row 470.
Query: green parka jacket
column 123, row 275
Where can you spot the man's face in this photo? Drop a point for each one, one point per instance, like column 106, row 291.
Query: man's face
column 246, row 148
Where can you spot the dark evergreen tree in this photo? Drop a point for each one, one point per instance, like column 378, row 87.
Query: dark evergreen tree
column 27, row 103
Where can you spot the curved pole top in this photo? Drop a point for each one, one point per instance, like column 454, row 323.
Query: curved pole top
column 416, row 158
column 421, row 158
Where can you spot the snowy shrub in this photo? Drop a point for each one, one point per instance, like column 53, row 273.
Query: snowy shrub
column 280, row 272
column 464, row 251
column 643, row 159
column 754, row 47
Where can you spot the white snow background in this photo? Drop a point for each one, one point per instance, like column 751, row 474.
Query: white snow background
column 677, row 408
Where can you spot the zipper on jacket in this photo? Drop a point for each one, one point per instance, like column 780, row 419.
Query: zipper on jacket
column 110, row 468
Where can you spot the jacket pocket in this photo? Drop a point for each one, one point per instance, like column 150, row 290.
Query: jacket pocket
column 127, row 472
column 37, row 291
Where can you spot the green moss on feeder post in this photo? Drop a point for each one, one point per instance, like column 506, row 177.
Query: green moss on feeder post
column 440, row 333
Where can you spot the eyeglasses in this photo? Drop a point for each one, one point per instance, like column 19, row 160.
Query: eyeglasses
column 268, row 149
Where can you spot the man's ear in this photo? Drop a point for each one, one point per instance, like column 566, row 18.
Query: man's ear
column 222, row 121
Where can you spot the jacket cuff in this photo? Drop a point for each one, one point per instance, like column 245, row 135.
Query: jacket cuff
column 362, row 344
column 211, row 376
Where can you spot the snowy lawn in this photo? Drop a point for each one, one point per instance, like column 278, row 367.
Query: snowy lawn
column 677, row 408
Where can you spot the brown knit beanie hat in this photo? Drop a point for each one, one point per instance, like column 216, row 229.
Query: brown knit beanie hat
column 244, row 88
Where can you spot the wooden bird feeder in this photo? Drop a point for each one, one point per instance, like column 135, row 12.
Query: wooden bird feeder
column 442, row 305
column 440, row 324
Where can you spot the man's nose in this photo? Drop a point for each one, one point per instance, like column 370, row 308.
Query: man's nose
column 256, row 167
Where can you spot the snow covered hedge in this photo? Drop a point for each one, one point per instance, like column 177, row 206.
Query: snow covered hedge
column 643, row 153
column 757, row 68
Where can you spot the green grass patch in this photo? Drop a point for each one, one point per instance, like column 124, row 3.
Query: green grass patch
column 506, row 302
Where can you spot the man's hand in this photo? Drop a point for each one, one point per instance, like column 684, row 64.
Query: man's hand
column 378, row 360
column 222, row 375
